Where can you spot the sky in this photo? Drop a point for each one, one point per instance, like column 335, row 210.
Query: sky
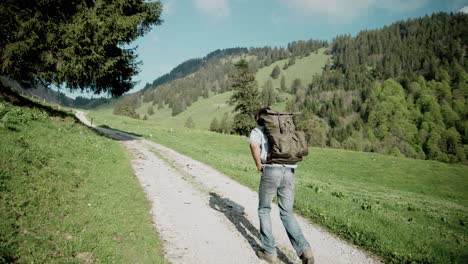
column 194, row 28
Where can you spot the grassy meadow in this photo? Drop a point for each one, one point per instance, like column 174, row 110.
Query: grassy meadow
column 202, row 112
column 404, row 210
column 68, row 194
column 304, row 69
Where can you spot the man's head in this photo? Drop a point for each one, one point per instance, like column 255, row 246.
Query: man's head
column 259, row 112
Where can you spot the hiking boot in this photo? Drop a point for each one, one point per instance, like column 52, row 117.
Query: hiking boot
column 307, row 257
column 270, row 258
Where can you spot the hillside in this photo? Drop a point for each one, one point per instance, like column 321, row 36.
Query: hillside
column 212, row 76
column 204, row 110
column 400, row 90
column 50, row 96
column 67, row 194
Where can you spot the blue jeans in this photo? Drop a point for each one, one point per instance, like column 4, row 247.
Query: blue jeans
column 279, row 180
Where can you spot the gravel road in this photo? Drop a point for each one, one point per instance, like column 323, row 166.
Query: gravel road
column 203, row 216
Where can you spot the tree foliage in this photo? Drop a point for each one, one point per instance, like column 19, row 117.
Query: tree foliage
column 214, row 125
column 244, row 98
column 268, row 96
column 189, row 123
column 275, row 72
column 127, row 107
column 79, row 43
column 399, row 90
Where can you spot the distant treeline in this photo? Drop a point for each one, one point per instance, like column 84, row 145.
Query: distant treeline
column 399, row 90
column 42, row 92
column 193, row 65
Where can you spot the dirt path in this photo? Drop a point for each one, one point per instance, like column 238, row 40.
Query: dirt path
column 205, row 217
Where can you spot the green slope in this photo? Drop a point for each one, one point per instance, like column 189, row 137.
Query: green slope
column 304, row 69
column 405, row 210
column 68, row 194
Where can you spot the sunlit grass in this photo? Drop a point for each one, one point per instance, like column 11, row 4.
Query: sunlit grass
column 69, row 195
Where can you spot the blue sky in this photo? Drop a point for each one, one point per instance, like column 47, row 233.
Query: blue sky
column 193, row 28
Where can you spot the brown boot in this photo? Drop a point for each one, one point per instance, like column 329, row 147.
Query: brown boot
column 307, row 257
column 270, row 258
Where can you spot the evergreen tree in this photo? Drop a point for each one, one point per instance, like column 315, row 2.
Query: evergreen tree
column 189, row 123
column 160, row 105
column 78, row 43
column 244, row 98
column 292, row 61
column 150, row 110
column 214, row 125
column 128, row 106
column 225, row 125
column 267, row 97
column 283, row 87
column 275, row 72
column 295, row 85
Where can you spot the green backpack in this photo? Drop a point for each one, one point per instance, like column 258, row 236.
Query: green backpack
column 287, row 145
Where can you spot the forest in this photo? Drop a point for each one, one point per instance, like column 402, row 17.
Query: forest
column 398, row 90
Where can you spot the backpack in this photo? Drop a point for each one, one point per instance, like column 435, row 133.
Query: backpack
column 287, row 145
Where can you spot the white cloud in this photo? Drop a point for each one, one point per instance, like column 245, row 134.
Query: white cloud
column 168, row 7
column 345, row 10
column 214, row 8
column 401, row 5
column 464, row 10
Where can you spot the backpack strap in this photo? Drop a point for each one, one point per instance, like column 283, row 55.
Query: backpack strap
column 279, row 122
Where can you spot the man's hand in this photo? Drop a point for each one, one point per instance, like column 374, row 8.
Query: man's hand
column 260, row 168
column 255, row 149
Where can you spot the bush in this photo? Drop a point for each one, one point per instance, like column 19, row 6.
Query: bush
column 189, row 123
column 13, row 118
column 214, row 125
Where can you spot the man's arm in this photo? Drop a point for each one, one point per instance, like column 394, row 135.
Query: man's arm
column 255, row 149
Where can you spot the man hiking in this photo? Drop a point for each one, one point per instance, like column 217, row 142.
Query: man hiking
column 277, row 178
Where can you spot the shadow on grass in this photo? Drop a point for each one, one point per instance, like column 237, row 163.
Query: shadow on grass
column 13, row 97
column 235, row 213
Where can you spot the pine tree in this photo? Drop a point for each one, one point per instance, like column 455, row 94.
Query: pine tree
column 79, row 43
column 225, row 124
column 267, row 97
column 189, row 123
column 295, row 85
column 283, row 87
column 150, row 110
column 214, row 125
column 275, row 72
column 244, row 98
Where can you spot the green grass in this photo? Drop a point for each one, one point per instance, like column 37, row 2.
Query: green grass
column 68, row 194
column 202, row 112
column 404, row 210
column 304, row 69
